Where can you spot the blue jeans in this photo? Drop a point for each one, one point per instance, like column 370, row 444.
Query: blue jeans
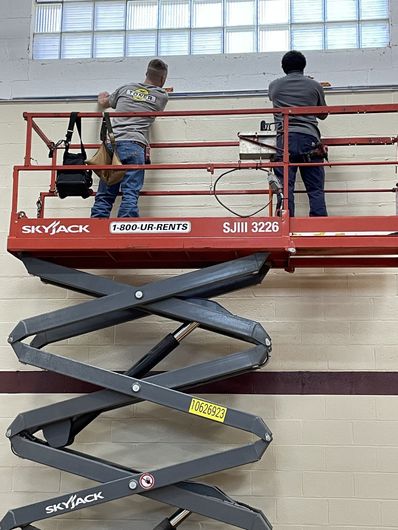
column 313, row 177
column 130, row 186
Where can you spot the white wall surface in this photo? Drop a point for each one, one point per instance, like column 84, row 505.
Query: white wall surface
column 22, row 77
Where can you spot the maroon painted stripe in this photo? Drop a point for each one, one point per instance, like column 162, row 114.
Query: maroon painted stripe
column 345, row 383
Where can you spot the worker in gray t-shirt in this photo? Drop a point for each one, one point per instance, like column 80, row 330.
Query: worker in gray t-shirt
column 132, row 137
column 298, row 90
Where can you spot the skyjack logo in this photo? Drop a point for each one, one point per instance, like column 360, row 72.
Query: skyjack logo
column 55, row 228
column 73, row 502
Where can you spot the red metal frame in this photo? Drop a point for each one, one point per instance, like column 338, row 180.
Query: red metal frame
column 292, row 242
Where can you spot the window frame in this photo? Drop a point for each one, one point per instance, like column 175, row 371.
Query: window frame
column 258, row 27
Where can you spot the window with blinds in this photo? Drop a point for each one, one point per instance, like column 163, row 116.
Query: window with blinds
column 67, row 29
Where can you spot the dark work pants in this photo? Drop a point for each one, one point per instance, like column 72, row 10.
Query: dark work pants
column 313, row 177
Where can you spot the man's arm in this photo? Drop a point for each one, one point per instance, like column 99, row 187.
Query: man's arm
column 322, row 116
column 103, row 100
column 270, row 91
column 321, row 103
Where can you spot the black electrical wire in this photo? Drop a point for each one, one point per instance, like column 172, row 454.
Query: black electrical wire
column 225, row 206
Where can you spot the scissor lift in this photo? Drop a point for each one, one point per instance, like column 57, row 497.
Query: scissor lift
column 184, row 299
column 229, row 259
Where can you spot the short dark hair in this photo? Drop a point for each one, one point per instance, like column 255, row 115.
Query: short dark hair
column 293, row 60
column 157, row 65
column 156, row 72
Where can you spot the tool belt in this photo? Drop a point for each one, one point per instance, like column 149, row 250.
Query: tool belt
column 320, row 151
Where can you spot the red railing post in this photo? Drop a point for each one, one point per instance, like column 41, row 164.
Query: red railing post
column 286, row 166
column 28, row 142
column 14, row 197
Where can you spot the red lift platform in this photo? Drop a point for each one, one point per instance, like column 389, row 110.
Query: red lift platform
column 230, row 253
column 183, row 241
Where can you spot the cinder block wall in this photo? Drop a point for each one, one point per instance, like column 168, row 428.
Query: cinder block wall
column 333, row 462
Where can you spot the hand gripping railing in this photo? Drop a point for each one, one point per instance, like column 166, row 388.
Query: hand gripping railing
column 185, row 299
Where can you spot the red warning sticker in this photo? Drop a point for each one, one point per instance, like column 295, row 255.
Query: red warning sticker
column 147, row 481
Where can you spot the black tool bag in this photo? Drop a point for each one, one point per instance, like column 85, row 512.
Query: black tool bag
column 74, row 182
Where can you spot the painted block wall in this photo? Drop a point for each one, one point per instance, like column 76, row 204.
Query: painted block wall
column 333, row 461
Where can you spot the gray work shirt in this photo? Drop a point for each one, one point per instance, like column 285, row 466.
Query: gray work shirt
column 297, row 90
column 136, row 97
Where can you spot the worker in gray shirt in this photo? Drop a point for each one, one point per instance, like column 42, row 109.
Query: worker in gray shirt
column 132, row 137
column 298, row 90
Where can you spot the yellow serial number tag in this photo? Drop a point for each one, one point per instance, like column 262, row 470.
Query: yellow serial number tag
column 208, row 410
